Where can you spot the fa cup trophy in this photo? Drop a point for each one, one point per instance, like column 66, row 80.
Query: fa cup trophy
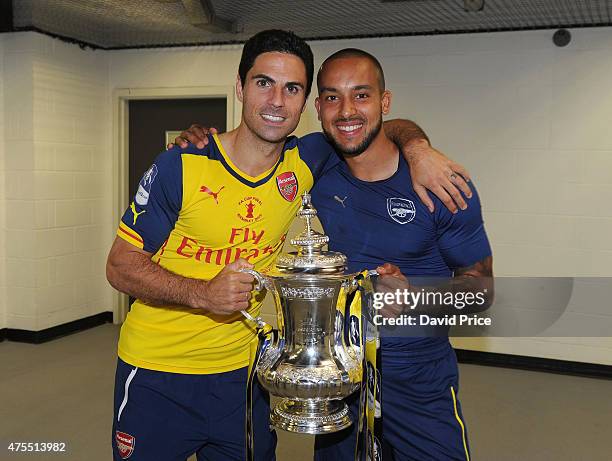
column 316, row 359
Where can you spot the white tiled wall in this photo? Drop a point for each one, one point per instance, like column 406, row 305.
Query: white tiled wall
column 58, row 194
column 531, row 121
column 2, row 194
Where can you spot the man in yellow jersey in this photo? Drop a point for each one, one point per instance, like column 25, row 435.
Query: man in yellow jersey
column 198, row 217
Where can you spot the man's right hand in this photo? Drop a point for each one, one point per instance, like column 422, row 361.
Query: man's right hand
column 228, row 292
column 390, row 280
column 195, row 134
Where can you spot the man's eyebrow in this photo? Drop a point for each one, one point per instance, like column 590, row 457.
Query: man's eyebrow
column 301, row 85
column 355, row 88
column 267, row 77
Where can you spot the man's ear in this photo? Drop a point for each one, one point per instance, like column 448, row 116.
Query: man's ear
column 318, row 107
column 239, row 88
column 386, row 102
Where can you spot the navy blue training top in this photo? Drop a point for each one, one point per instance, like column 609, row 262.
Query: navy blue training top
column 385, row 221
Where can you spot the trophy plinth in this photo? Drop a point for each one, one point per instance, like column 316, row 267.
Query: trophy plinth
column 311, row 417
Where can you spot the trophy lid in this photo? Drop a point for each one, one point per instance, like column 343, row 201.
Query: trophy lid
column 310, row 256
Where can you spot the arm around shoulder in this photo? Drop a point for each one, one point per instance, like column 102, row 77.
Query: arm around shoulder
column 430, row 169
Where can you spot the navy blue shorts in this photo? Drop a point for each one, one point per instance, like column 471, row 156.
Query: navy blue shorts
column 422, row 418
column 170, row 416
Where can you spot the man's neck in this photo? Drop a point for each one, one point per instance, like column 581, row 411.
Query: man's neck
column 377, row 162
column 251, row 154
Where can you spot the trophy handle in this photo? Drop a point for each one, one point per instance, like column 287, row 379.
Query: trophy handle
column 260, row 279
column 261, row 283
column 357, row 341
column 270, row 341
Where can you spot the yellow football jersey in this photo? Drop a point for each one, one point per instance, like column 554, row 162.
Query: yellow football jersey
column 197, row 212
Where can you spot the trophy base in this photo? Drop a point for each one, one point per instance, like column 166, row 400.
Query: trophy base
column 311, row 416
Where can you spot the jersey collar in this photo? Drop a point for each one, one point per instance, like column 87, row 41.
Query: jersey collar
column 251, row 181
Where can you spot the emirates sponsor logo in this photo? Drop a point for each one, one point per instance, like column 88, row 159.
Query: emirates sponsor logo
column 244, row 242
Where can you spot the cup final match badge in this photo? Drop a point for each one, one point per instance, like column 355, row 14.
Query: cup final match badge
column 250, row 209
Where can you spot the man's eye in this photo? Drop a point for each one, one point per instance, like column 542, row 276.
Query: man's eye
column 330, row 98
column 362, row 95
column 293, row 89
column 263, row 83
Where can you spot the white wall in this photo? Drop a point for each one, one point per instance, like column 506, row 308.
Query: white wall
column 58, row 199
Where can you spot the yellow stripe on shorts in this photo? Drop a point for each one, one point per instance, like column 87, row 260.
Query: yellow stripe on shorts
column 467, row 454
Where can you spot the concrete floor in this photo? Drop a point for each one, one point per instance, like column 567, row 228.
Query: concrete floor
column 62, row 391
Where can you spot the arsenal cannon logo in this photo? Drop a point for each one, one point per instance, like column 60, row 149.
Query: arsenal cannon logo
column 401, row 210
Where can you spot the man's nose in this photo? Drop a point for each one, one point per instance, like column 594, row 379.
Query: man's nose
column 347, row 108
column 277, row 98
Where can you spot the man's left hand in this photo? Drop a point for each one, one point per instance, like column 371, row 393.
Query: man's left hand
column 432, row 170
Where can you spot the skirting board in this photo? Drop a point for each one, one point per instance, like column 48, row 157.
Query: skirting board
column 42, row 336
column 522, row 362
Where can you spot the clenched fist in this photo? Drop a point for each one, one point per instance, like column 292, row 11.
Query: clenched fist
column 228, row 292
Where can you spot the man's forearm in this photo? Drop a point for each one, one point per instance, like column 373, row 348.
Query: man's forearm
column 404, row 132
column 471, row 283
column 141, row 278
column 471, row 290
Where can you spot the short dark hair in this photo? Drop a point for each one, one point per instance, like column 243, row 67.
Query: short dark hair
column 355, row 53
column 276, row 40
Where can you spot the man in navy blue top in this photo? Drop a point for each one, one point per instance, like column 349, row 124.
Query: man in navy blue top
column 373, row 216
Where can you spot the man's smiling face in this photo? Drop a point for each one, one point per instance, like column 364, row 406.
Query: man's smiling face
column 351, row 103
column 273, row 95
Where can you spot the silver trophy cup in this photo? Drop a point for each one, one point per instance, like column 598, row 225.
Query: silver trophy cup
column 316, row 358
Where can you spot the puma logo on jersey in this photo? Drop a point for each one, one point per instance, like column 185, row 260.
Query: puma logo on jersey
column 340, row 200
column 211, row 193
column 136, row 213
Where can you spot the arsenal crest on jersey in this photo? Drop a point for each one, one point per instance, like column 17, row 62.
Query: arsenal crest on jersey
column 125, row 444
column 287, row 185
column 401, row 210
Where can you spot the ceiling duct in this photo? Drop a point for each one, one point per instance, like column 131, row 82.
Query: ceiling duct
column 202, row 14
